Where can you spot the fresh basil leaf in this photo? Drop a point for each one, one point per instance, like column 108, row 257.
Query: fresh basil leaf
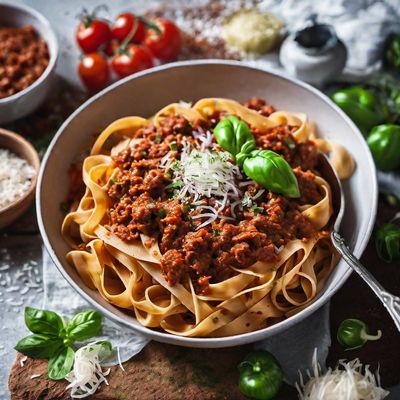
column 61, row 363
column 39, row 345
column 84, row 325
column 43, row 321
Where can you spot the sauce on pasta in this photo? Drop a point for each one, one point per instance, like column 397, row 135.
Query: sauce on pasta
column 171, row 229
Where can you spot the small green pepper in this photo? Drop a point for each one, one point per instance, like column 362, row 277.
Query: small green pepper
column 353, row 334
column 384, row 143
column 393, row 52
column 231, row 134
column 260, row 376
column 387, row 242
column 361, row 105
column 272, row 172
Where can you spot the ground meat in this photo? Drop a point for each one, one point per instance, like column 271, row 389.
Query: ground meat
column 23, row 59
column 260, row 105
column 142, row 201
column 281, row 140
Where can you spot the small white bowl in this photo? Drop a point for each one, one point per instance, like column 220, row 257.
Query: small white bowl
column 24, row 102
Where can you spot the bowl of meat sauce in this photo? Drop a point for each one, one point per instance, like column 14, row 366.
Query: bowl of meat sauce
column 28, row 53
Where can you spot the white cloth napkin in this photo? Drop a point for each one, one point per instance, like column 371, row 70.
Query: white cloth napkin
column 362, row 25
column 59, row 296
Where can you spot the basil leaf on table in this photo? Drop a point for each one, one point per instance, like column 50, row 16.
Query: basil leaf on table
column 84, row 325
column 272, row 172
column 39, row 345
column 43, row 321
column 231, row 134
column 61, row 363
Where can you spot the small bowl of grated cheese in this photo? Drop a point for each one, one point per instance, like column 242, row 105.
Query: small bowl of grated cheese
column 19, row 165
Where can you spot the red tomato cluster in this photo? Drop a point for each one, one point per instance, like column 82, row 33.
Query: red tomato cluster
column 131, row 42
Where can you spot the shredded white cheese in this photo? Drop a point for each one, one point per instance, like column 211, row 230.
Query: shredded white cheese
column 22, row 361
column 15, row 177
column 204, row 173
column 87, row 374
column 346, row 382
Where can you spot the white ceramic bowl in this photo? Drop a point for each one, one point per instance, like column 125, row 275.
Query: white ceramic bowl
column 145, row 93
column 24, row 102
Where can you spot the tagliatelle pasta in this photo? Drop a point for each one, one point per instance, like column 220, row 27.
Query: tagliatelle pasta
column 170, row 229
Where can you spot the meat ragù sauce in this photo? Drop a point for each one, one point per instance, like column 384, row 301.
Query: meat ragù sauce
column 23, row 58
column 143, row 199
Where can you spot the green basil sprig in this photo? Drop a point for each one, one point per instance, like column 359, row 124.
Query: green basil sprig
column 84, row 325
column 271, row 171
column 53, row 336
column 231, row 134
column 387, row 242
column 267, row 168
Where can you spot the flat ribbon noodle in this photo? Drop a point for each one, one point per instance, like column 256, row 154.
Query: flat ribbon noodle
column 128, row 274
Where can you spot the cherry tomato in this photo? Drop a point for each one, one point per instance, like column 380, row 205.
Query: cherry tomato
column 124, row 25
column 111, row 48
column 164, row 43
column 92, row 33
column 134, row 59
column 94, row 71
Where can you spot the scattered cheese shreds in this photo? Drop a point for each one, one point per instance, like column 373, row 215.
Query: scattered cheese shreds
column 22, row 361
column 346, row 382
column 87, row 374
column 34, row 376
column 15, row 177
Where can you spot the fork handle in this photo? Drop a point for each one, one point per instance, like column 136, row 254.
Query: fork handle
column 391, row 302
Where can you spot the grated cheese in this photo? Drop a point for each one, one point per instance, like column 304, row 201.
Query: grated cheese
column 345, row 382
column 22, row 361
column 87, row 374
column 15, row 177
column 205, row 173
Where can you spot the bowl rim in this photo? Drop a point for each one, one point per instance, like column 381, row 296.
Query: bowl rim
column 53, row 54
column 36, row 165
column 212, row 342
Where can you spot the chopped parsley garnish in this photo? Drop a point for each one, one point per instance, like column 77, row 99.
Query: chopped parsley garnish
column 173, row 146
column 246, row 201
column 151, row 203
column 186, row 208
column 215, row 233
column 289, row 142
column 257, row 210
column 162, row 213
column 113, row 181
column 157, row 139
column 177, row 184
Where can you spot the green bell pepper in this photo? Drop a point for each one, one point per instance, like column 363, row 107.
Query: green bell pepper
column 384, row 143
column 353, row 334
column 361, row 105
column 231, row 134
column 393, row 52
column 260, row 376
column 387, row 242
column 272, row 172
